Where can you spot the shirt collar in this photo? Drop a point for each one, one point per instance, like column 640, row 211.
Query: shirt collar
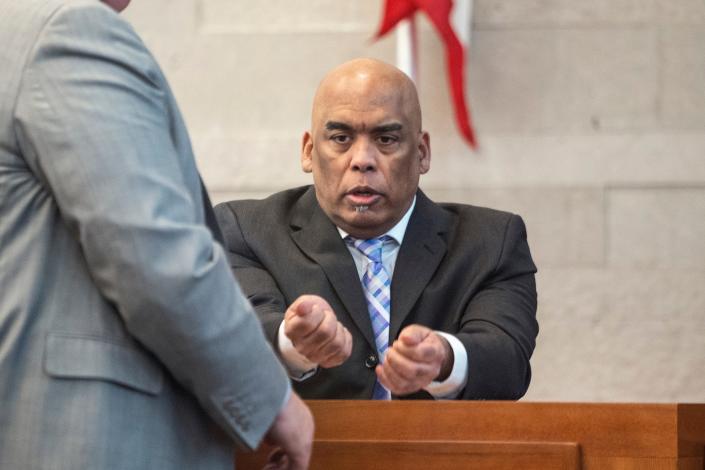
column 397, row 232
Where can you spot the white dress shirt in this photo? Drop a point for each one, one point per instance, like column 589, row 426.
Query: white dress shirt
column 301, row 368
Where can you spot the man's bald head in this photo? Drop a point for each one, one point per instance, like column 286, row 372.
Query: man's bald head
column 370, row 81
column 366, row 148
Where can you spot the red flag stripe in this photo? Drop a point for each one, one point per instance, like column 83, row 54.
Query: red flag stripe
column 394, row 12
column 438, row 12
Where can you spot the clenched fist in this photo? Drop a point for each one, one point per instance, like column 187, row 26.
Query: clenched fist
column 316, row 333
column 413, row 361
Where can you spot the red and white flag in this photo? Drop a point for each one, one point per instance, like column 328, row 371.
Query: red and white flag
column 452, row 20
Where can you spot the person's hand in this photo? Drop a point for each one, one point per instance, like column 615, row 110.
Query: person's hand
column 292, row 435
column 316, row 333
column 413, row 361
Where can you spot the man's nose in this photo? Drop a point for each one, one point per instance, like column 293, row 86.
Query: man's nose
column 364, row 156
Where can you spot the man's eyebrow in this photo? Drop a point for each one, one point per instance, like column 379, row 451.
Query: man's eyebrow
column 337, row 126
column 387, row 128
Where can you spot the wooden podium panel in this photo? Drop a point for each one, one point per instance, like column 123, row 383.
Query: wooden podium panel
column 422, row 455
column 503, row 435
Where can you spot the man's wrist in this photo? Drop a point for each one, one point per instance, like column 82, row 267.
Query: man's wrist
column 448, row 360
column 451, row 387
column 298, row 366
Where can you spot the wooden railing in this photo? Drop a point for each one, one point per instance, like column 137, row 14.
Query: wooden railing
column 484, row 435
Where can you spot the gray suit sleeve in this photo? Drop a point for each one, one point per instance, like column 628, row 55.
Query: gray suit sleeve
column 256, row 281
column 95, row 122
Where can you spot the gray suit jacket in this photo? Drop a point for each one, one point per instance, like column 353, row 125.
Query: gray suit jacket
column 460, row 269
column 121, row 328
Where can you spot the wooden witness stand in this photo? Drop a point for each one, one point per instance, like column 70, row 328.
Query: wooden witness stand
column 487, row 435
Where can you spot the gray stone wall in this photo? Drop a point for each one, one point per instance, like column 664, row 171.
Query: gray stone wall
column 591, row 122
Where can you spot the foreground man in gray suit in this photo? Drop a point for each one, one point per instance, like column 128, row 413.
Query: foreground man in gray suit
column 124, row 341
column 458, row 320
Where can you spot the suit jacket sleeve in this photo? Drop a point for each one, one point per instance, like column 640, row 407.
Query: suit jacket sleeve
column 498, row 327
column 265, row 295
column 97, row 126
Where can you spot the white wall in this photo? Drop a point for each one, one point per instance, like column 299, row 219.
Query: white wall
column 591, row 121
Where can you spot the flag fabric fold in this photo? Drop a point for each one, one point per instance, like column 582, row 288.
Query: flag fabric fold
column 438, row 12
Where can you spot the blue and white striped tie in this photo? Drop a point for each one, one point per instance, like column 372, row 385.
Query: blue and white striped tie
column 377, row 282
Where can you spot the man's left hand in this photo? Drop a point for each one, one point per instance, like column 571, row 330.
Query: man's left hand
column 413, row 361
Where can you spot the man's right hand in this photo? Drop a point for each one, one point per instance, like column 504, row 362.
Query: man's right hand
column 292, row 435
column 316, row 333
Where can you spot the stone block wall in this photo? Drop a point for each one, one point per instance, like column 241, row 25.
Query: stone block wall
column 591, row 122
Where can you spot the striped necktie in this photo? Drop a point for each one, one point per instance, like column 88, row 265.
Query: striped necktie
column 376, row 283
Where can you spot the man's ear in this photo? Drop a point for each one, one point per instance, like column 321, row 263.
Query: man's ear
column 424, row 153
column 306, row 152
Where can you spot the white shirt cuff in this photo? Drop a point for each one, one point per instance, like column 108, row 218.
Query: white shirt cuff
column 452, row 386
column 297, row 365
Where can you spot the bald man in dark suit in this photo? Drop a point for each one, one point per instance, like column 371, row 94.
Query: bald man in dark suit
column 367, row 288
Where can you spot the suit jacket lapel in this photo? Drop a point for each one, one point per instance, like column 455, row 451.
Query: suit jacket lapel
column 319, row 239
column 420, row 253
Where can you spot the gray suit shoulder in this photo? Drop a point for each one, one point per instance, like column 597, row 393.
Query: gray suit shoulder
column 31, row 19
column 38, row 13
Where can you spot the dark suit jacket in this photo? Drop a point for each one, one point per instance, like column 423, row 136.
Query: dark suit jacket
column 461, row 269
